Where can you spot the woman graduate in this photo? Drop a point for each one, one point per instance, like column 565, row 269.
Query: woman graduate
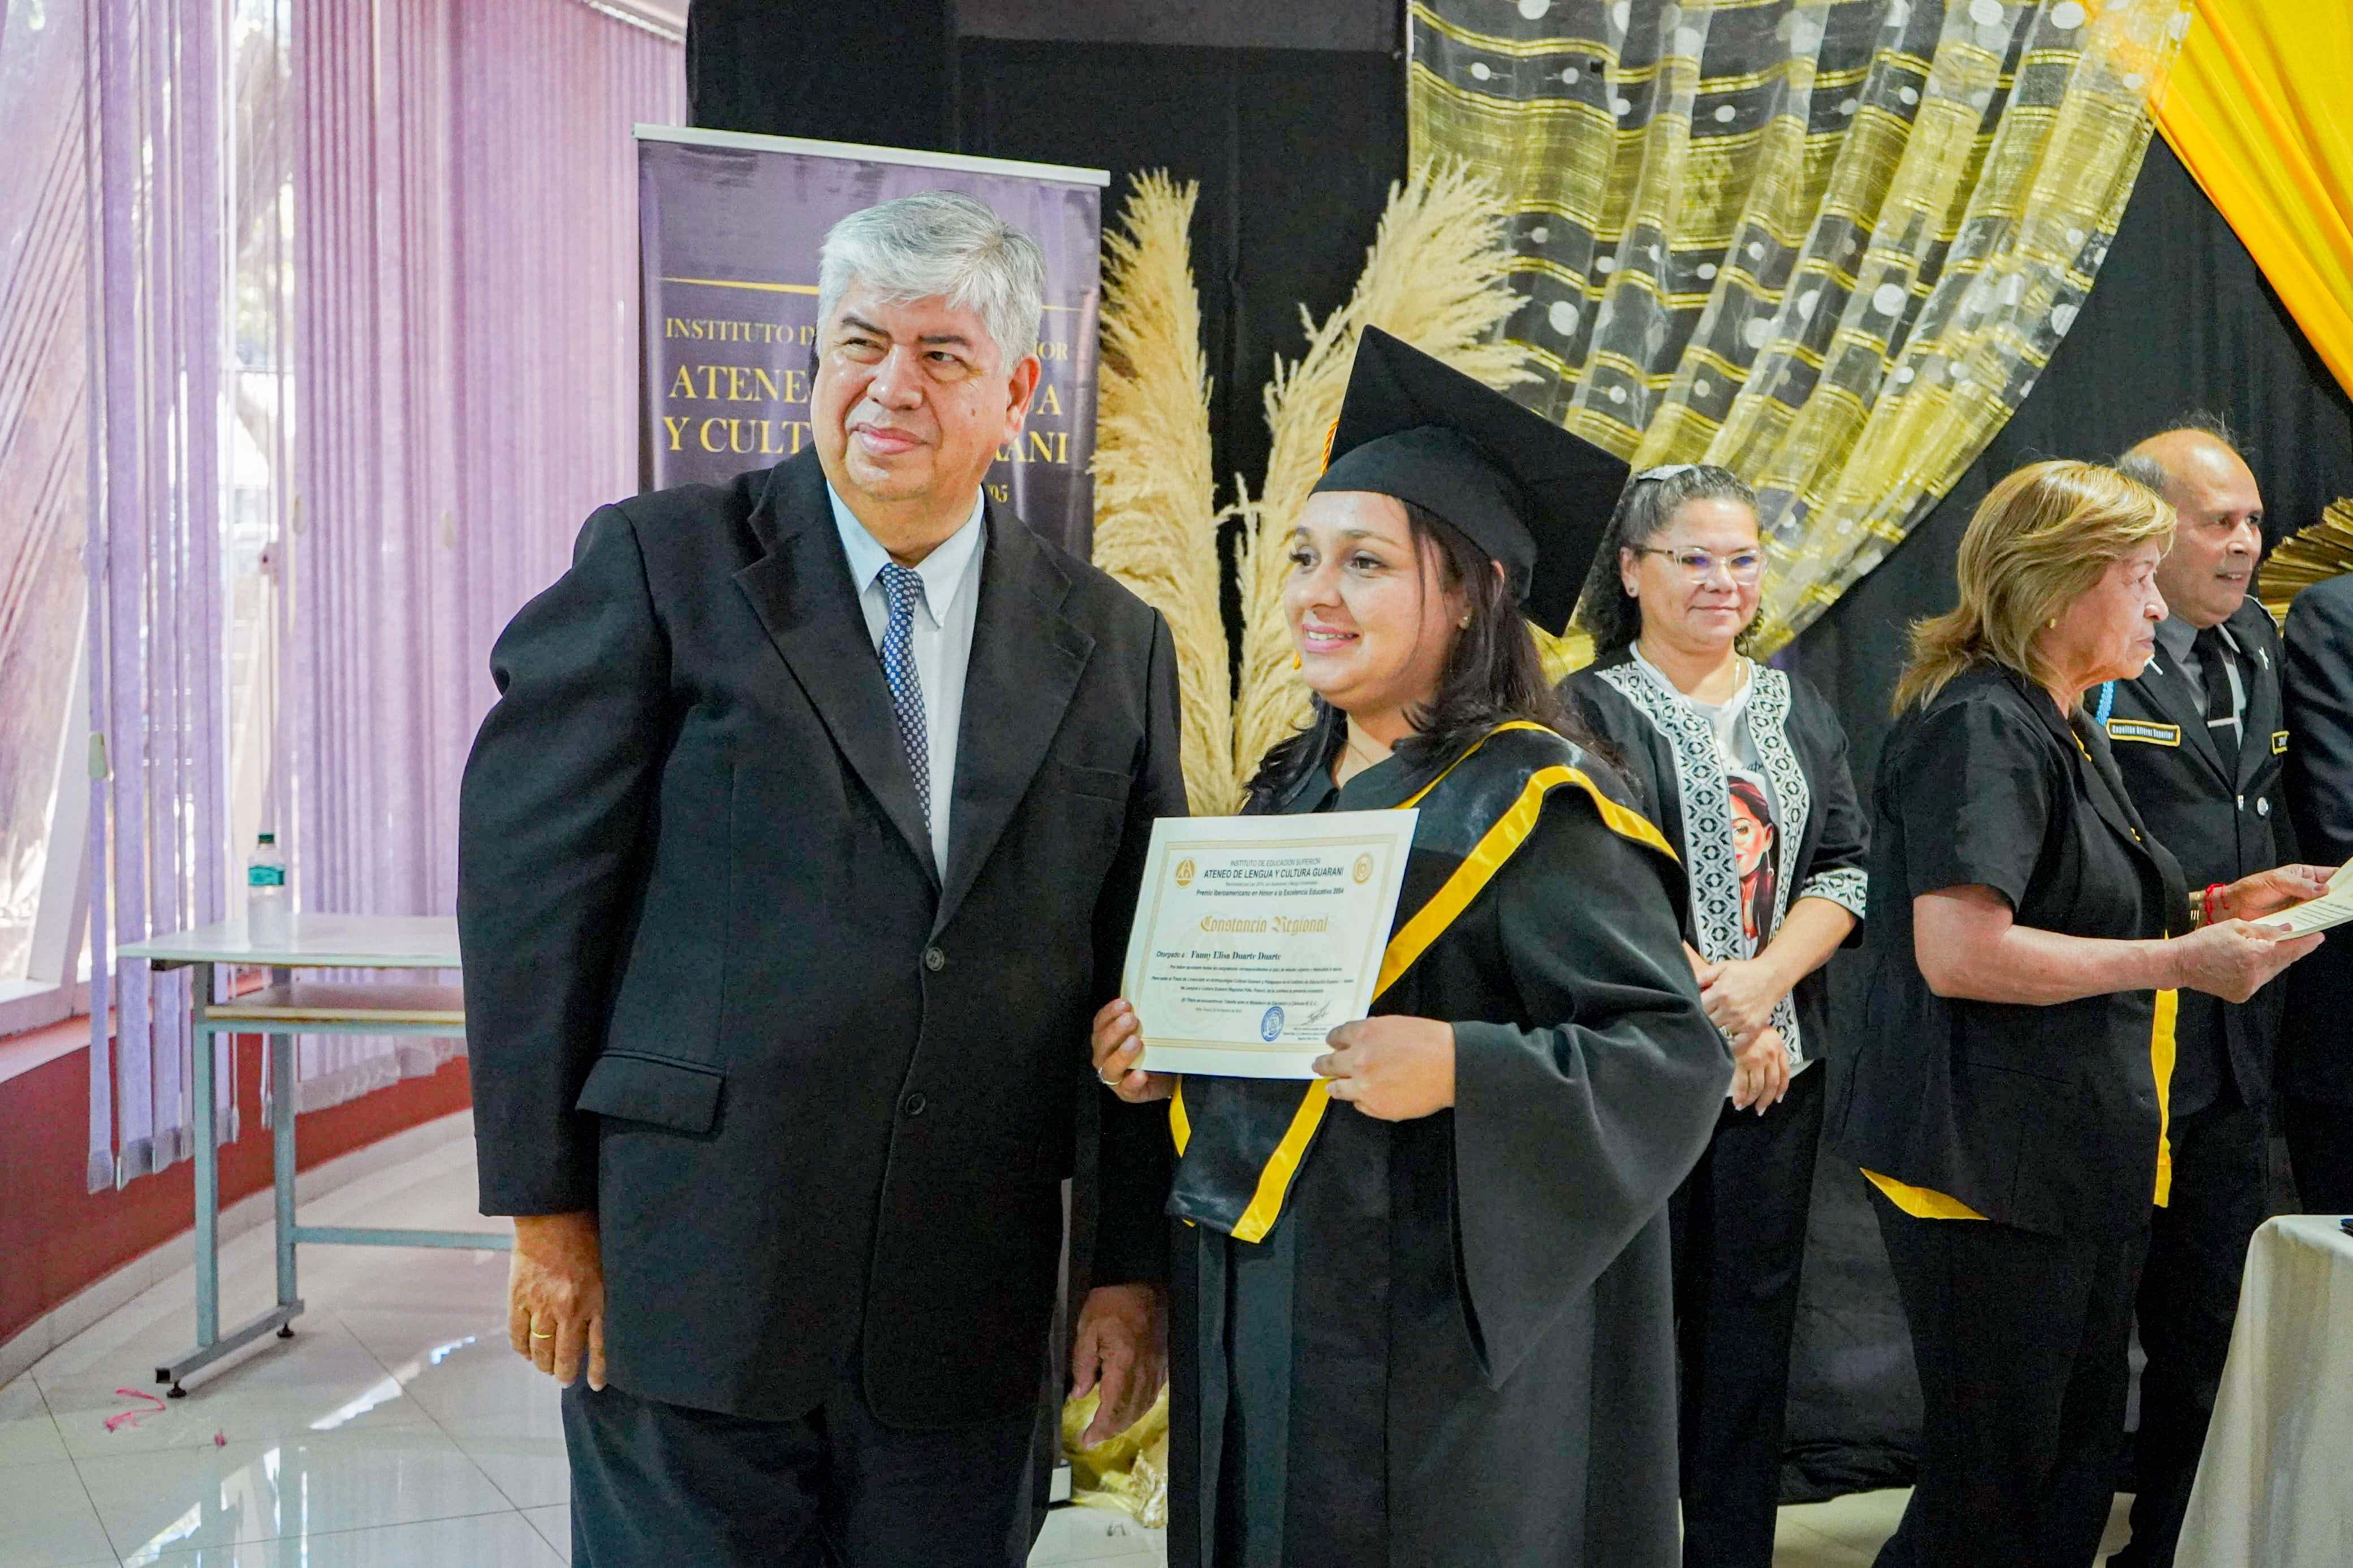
column 1421, row 1314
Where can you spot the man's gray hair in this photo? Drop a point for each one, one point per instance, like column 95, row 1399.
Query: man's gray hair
column 944, row 244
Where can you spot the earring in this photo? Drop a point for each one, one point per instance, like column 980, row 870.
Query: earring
column 1465, row 622
column 2053, row 623
column 1295, row 662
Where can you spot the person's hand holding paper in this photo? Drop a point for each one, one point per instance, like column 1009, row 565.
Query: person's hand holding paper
column 2295, row 900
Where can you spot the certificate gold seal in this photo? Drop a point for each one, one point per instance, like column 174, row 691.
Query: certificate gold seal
column 1364, row 868
column 1185, row 873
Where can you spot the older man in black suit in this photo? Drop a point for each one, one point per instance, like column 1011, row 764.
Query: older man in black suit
column 2198, row 738
column 799, row 848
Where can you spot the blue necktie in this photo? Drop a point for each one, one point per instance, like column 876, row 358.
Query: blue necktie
column 904, row 590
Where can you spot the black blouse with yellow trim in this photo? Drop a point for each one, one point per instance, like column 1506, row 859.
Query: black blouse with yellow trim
column 2048, row 1118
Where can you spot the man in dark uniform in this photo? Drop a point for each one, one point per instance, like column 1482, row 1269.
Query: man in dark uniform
column 2315, row 1066
column 2199, row 739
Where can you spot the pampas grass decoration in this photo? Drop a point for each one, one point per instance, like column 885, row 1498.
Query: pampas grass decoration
column 1155, row 513
column 2307, row 556
column 1435, row 277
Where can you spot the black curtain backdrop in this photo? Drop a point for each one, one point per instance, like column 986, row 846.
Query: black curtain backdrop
column 877, row 72
column 1294, row 150
column 2180, row 319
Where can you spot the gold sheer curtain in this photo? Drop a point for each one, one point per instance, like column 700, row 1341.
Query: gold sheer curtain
column 1829, row 246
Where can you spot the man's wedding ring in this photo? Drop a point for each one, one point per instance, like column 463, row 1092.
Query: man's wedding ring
column 537, row 1335
column 1112, row 1082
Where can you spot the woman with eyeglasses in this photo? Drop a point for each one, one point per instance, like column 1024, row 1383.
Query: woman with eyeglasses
column 1743, row 769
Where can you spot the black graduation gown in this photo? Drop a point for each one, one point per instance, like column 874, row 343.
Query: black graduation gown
column 1455, row 1343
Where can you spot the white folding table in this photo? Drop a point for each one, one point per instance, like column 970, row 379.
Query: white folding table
column 283, row 1009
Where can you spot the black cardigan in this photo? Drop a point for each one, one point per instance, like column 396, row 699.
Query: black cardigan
column 1661, row 745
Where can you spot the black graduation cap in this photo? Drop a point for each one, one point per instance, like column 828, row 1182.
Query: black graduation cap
column 1518, row 486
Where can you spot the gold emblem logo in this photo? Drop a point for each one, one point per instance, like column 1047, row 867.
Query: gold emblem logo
column 1364, row 868
column 1184, row 873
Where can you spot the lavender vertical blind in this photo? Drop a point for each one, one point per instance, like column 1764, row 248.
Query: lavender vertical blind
column 464, row 375
column 462, row 310
column 155, row 281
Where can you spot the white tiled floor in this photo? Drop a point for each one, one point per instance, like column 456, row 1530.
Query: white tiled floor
column 396, row 1430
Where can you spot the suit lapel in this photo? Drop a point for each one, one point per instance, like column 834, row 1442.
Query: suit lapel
column 801, row 591
column 2167, row 689
column 1025, row 664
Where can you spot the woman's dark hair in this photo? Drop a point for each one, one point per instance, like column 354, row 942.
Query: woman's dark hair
column 1610, row 615
column 1493, row 672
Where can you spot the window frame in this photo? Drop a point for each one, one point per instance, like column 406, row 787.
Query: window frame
column 57, row 982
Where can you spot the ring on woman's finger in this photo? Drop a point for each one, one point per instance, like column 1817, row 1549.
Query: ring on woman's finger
column 537, row 1335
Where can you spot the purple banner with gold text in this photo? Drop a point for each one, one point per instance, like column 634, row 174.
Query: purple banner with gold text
column 728, row 226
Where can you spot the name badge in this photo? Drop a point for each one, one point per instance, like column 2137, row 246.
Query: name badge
column 2279, row 741
column 2143, row 729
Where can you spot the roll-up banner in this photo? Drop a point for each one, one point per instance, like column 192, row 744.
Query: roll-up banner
column 728, row 226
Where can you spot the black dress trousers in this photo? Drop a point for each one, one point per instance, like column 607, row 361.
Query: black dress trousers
column 663, row 1486
column 1739, row 1228
column 2021, row 1341
column 2189, row 1299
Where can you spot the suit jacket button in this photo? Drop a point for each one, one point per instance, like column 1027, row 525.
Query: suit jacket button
column 935, row 960
column 913, row 1105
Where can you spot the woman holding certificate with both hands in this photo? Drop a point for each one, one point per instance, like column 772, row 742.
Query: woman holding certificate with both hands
column 1421, row 1312
column 2006, row 1094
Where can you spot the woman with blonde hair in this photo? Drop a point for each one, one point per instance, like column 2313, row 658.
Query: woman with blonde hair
column 2006, row 1098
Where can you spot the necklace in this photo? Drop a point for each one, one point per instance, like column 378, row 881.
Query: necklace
column 1359, row 753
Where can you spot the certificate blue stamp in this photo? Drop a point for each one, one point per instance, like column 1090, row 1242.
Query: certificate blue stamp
column 1271, row 1025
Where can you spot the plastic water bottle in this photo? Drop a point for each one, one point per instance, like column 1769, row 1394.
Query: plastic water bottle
column 268, row 921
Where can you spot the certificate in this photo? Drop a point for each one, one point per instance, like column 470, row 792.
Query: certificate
column 1257, row 936
column 2333, row 908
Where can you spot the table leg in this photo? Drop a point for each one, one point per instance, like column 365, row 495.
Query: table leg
column 207, row 1176
column 207, row 1258
column 281, row 1168
column 211, row 1343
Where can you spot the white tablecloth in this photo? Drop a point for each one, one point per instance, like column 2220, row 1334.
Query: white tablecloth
column 2275, row 1486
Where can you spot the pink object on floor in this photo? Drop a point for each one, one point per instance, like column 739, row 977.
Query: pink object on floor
column 131, row 1416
